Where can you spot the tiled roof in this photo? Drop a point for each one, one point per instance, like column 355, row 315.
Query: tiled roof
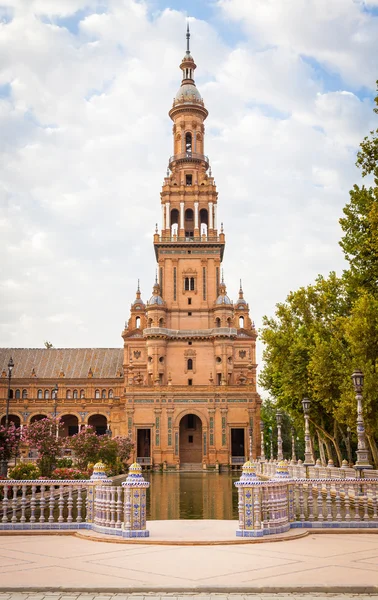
column 75, row 363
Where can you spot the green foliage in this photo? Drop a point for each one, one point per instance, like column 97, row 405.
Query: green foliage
column 321, row 333
column 24, row 471
column 64, row 463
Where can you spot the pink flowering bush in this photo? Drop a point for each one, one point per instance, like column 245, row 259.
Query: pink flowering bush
column 89, row 448
column 9, row 441
column 69, row 473
column 42, row 436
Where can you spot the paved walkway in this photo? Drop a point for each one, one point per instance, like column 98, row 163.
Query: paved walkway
column 319, row 562
column 187, row 596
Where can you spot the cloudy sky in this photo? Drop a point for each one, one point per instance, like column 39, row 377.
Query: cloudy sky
column 85, row 87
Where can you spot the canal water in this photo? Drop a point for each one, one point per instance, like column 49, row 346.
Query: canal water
column 191, row 496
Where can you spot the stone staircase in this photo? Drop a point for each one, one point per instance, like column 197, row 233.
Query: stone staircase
column 193, row 467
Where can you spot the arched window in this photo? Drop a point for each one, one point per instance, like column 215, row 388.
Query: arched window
column 103, row 394
column 75, row 394
column 82, row 393
column 24, row 394
column 137, row 322
column 229, row 322
column 68, row 394
column 111, row 395
column 47, row 394
column 149, row 322
column 11, row 394
column 218, row 322
column 40, row 395
column 241, row 322
column 97, row 394
column 190, row 364
column 18, row 394
column 161, row 322
column 188, row 142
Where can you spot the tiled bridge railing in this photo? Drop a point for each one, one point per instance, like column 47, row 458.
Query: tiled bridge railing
column 281, row 503
column 76, row 504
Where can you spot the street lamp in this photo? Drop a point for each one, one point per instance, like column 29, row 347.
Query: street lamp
column 55, row 397
column 262, row 453
column 10, row 369
column 362, row 451
column 279, row 437
column 309, row 459
column 293, row 455
column 4, row 462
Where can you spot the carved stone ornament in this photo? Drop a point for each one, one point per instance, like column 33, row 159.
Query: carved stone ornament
column 137, row 353
column 242, row 353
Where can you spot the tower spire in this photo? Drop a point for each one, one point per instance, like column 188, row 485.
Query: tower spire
column 187, row 38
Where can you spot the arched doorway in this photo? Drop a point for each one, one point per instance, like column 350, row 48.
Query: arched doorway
column 190, row 439
column 70, row 425
column 99, row 423
column 11, row 419
column 35, row 418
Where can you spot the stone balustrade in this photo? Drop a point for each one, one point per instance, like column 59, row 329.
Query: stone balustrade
column 283, row 502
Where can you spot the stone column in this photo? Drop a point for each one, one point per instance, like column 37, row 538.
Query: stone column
column 181, row 215
column 163, row 217
column 215, row 216
column 167, row 215
column 196, row 216
column 211, row 215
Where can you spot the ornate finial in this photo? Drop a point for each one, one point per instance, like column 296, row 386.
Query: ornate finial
column 222, row 276
column 187, row 39
column 210, row 172
column 156, row 277
column 156, row 228
column 241, row 288
column 167, row 171
column 221, row 227
column 138, row 288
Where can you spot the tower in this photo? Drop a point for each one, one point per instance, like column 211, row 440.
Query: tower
column 189, row 353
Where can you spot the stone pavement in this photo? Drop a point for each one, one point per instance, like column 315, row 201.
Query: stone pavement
column 317, row 563
column 184, row 596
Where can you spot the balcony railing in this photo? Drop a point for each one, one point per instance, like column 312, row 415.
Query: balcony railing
column 189, row 156
column 184, row 333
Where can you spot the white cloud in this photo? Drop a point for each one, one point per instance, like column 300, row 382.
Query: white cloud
column 86, row 140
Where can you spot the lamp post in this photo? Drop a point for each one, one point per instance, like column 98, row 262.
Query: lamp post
column 309, row 459
column 262, row 453
column 293, row 455
column 362, row 451
column 10, row 369
column 4, row 462
column 55, row 397
column 279, row 436
column 271, row 442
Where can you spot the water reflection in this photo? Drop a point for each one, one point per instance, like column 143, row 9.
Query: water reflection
column 191, row 496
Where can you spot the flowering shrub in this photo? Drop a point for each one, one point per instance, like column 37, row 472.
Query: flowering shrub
column 69, row 473
column 90, row 448
column 9, row 441
column 64, row 462
column 42, row 436
column 24, row 471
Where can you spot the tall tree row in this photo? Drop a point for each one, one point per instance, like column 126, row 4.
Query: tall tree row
column 324, row 331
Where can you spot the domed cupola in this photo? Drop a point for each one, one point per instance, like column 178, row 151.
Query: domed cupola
column 138, row 303
column 223, row 298
column 156, row 308
column 156, row 298
column 137, row 314
column 241, row 303
column 224, row 308
column 188, row 92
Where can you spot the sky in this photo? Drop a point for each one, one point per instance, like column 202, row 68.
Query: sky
column 85, row 88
